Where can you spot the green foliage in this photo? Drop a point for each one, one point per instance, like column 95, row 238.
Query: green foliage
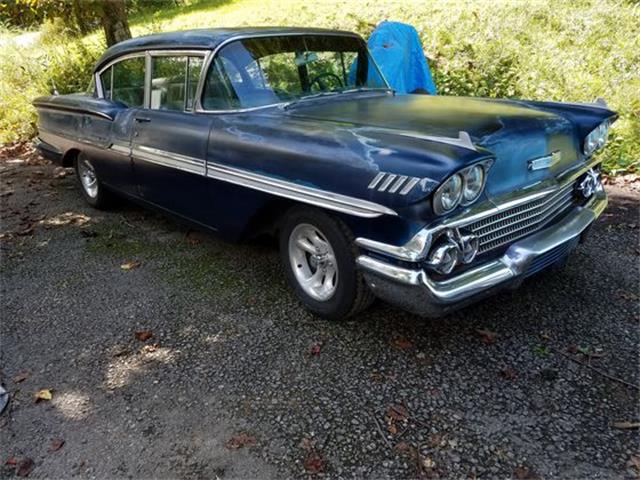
column 31, row 71
column 565, row 50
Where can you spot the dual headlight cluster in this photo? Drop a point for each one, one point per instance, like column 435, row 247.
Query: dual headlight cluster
column 462, row 188
column 596, row 139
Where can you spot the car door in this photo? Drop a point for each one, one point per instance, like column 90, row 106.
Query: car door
column 169, row 142
column 122, row 81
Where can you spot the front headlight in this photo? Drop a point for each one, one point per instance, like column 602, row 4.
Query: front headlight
column 448, row 195
column 596, row 139
column 473, row 183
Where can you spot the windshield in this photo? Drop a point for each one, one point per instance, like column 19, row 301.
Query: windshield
column 270, row 70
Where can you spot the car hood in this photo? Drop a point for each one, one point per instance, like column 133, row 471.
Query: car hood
column 513, row 131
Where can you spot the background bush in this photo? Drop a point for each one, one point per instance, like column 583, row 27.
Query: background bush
column 564, row 50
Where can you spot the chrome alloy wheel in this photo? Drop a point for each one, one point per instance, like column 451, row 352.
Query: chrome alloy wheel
column 313, row 262
column 88, row 177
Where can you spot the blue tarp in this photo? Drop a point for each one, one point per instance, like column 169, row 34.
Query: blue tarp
column 397, row 50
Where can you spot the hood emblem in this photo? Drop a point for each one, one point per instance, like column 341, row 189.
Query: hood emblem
column 546, row 161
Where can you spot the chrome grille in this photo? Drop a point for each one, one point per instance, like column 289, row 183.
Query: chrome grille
column 514, row 223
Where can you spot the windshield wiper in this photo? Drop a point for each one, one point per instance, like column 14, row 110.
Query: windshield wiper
column 368, row 89
column 286, row 105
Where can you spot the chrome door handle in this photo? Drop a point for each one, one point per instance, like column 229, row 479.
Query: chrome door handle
column 142, row 119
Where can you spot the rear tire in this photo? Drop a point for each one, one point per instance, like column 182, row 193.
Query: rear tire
column 319, row 258
column 94, row 193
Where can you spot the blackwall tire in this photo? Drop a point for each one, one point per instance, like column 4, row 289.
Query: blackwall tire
column 337, row 296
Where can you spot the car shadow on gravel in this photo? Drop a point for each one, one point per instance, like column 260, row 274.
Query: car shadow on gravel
column 238, row 381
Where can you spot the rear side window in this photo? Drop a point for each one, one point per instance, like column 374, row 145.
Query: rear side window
column 174, row 81
column 124, row 82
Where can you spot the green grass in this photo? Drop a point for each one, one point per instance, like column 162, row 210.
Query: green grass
column 563, row 50
column 211, row 268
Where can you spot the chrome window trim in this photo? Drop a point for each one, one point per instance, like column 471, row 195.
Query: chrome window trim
column 168, row 52
column 216, row 50
column 147, row 80
column 175, row 52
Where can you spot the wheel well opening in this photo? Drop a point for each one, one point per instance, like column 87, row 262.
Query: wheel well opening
column 266, row 221
column 69, row 156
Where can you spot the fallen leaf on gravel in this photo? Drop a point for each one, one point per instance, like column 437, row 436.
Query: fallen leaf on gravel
column 144, row 335
column 130, row 265
column 525, row 473
column 25, row 467
column 487, row 336
column 315, row 349
column 21, row 376
column 626, row 425
column 314, row 463
column 401, row 343
column 44, row 394
column 509, row 373
column 11, row 461
column 572, row 349
column 634, row 462
column 56, row 444
column 239, row 441
column 434, row 440
column 398, row 413
column 194, row 238
column 403, row 448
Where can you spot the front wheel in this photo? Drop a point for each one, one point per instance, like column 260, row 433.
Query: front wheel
column 318, row 255
column 90, row 187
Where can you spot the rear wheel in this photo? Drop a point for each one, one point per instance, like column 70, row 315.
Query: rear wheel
column 89, row 183
column 318, row 255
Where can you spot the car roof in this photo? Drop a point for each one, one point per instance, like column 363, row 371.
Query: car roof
column 203, row 38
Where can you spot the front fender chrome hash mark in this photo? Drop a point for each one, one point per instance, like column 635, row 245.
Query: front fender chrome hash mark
column 409, row 185
column 398, row 183
column 377, row 179
column 391, row 183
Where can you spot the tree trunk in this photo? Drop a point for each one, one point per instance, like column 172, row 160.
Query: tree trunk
column 114, row 21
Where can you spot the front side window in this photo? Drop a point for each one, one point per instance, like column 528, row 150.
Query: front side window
column 174, row 81
column 269, row 70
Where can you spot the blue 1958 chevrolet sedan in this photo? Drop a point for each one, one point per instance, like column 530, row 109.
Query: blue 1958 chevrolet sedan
column 428, row 202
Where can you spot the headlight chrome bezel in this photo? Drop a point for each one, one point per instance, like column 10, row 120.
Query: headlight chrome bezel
column 596, row 139
column 438, row 203
column 468, row 200
column 463, row 175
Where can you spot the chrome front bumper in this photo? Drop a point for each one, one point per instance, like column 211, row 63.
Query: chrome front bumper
column 414, row 290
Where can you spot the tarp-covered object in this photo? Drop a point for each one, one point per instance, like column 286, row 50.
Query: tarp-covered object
column 397, row 50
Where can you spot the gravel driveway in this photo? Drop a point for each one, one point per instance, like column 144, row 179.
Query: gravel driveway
column 238, row 381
